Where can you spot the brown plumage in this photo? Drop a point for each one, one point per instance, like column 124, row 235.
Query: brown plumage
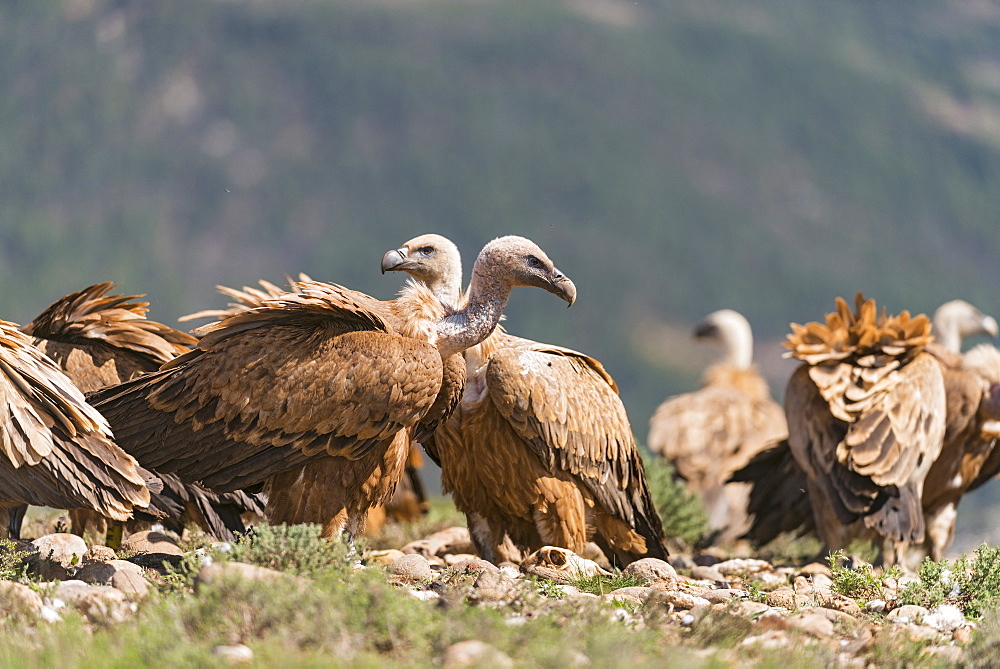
column 99, row 340
column 710, row 433
column 325, row 376
column 866, row 419
column 55, row 449
column 408, row 501
column 778, row 503
column 539, row 452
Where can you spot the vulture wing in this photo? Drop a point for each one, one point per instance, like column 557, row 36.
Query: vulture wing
column 712, row 432
column 99, row 339
column 566, row 407
column 320, row 371
column 779, row 498
column 867, row 436
column 55, row 449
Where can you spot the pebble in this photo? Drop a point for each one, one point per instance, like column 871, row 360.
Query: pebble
column 61, row 547
column 220, row 571
column 742, row 566
column 236, row 654
column 909, row 613
column 474, row 653
column 708, row 574
column 652, row 570
column 151, row 542
column 412, row 567
column 120, row 574
column 17, row 596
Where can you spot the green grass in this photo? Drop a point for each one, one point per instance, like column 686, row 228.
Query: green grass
column 684, row 521
column 602, row 585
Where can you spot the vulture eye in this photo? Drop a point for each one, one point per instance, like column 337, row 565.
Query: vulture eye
column 534, row 262
column 425, row 250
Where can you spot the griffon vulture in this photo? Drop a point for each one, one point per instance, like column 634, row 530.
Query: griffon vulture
column 866, row 420
column 712, row 432
column 99, row 340
column 409, row 501
column 778, row 502
column 55, row 449
column 539, row 452
column 325, row 376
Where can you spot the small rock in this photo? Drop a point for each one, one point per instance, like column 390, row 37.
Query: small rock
column 150, row 542
column 772, row 620
column 909, row 613
column 61, row 547
column 708, row 574
column 99, row 603
column 813, row 624
column 742, row 566
column 492, row 586
column 836, row 602
column 950, row 654
column 814, row 568
column 652, row 570
column 510, row 570
column 452, row 559
column 922, row 633
column 569, row 590
column 424, row 595
column 220, row 571
column 452, row 540
column 822, row 582
column 474, row 653
column 771, row 579
column 412, row 567
column 749, row 609
column 945, row 618
column 876, row 606
column 679, row 600
column 234, row 654
column 786, row 598
column 636, row 595
column 120, row 574
column 18, row 598
column 723, row 595
column 384, row 558
column 477, row 566
column 559, row 564
column 98, row 553
column 711, row 555
column 962, row 635
column 768, row 640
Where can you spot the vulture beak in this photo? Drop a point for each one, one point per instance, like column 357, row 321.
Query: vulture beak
column 706, row 330
column 394, row 260
column 990, row 326
column 562, row 287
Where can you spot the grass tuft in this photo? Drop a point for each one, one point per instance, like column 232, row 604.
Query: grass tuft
column 683, row 515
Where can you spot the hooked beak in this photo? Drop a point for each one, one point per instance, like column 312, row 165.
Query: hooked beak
column 705, row 330
column 563, row 288
column 394, row 260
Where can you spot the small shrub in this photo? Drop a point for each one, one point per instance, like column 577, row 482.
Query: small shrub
column 602, row 585
column 971, row 584
column 297, row 549
column 13, row 561
column 862, row 583
column 683, row 515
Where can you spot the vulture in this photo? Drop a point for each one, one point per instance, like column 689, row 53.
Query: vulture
column 778, row 501
column 55, row 449
column 539, row 451
column 709, row 434
column 99, row 340
column 409, row 501
column 866, row 416
column 322, row 376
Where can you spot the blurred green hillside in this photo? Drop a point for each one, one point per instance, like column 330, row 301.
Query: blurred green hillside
column 672, row 157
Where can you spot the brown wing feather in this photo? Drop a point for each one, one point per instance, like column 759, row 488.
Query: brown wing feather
column 779, row 499
column 305, row 374
column 55, row 449
column 91, row 316
column 562, row 404
column 868, row 436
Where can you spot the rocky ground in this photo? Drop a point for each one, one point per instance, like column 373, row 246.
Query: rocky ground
column 727, row 609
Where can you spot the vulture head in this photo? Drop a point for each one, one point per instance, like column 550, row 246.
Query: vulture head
column 956, row 320
column 731, row 330
column 431, row 259
column 512, row 261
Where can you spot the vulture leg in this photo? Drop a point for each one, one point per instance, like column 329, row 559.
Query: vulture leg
column 492, row 543
column 941, row 530
column 15, row 520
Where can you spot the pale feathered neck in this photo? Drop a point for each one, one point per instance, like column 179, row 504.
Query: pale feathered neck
column 736, row 339
column 484, row 305
column 744, row 379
